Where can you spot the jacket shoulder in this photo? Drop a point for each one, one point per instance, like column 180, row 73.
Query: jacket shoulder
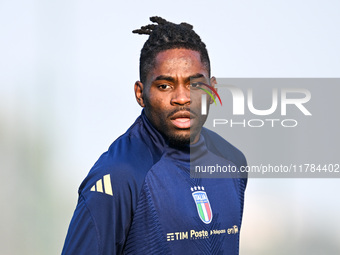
column 222, row 147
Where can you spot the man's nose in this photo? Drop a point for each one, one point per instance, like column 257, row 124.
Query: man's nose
column 181, row 96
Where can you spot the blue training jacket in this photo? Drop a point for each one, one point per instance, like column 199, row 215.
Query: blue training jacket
column 139, row 198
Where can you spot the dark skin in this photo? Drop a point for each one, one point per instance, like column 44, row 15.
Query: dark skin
column 171, row 104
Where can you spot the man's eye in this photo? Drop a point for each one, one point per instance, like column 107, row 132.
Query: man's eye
column 196, row 84
column 163, row 86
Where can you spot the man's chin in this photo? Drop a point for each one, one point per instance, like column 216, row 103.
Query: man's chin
column 181, row 140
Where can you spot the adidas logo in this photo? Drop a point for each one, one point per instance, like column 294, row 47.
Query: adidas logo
column 98, row 187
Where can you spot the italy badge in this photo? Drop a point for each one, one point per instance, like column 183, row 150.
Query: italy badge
column 202, row 204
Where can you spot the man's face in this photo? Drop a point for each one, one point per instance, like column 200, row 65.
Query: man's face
column 171, row 104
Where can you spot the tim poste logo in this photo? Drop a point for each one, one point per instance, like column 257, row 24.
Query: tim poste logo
column 195, row 234
column 202, row 204
column 241, row 102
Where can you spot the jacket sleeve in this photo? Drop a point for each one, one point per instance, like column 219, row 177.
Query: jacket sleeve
column 82, row 236
column 103, row 215
column 109, row 194
column 107, row 200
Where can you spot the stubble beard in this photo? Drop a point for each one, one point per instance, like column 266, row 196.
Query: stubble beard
column 179, row 141
column 184, row 140
column 174, row 139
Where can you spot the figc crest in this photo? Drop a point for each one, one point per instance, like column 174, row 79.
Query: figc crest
column 202, row 204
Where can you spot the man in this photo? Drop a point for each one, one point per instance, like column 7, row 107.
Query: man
column 139, row 198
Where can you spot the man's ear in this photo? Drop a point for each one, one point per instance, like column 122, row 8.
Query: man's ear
column 139, row 90
column 213, row 83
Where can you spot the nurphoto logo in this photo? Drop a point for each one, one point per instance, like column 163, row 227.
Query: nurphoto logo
column 279, row 102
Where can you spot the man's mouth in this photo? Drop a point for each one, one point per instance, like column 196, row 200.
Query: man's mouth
column 182, row 120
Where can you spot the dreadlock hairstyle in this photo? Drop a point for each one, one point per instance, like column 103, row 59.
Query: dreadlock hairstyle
column 167, row 35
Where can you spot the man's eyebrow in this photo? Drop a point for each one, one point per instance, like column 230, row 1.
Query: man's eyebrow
column 164, row 77
column 172, row 79
column 195, row 76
